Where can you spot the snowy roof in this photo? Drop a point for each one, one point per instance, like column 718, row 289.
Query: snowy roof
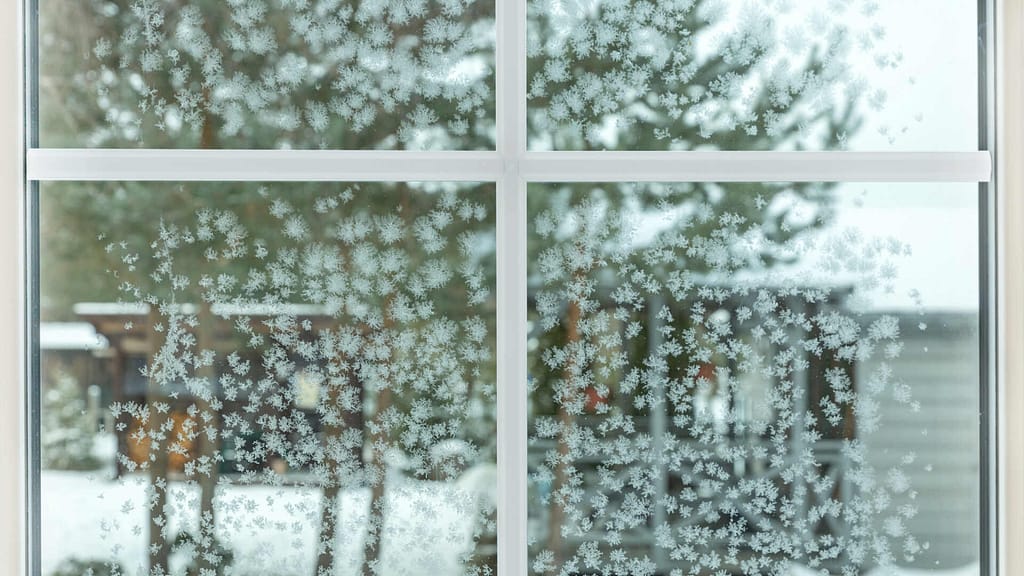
column 219, row 309
column 70, row 336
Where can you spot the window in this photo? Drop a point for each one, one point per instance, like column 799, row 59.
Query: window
column 464, row 287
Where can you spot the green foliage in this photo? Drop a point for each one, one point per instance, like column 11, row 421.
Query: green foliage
column 257, row 74
column 66, row 434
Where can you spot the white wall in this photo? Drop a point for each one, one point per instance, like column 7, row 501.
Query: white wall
column 10, row 377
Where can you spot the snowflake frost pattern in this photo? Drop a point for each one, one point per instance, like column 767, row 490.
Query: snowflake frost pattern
column 297, row 73
column 686, row 74
column 324, row 384
column 694, row 381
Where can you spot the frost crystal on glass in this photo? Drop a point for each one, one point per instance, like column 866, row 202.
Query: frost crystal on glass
column 687, row 74
column 704, row 377
column 292, row 74
column 314, row 393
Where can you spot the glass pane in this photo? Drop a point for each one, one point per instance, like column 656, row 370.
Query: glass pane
column 754, row 379
column 266, row 74
column 756, row 75
column 287, row 379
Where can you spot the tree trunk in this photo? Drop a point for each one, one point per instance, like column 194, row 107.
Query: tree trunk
column 339, row 463
column 159, row 550
column 328, row 523
column 557, row 516
column 377, row 467
column 208, row 416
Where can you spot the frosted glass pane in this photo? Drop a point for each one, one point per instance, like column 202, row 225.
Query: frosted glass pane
column 754, row 379
column 267, row 74
column 755, row 75
column 289, row 380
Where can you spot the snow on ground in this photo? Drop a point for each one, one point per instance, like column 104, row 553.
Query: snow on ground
column 271, row 530
column 973, row 569
column 968, row 570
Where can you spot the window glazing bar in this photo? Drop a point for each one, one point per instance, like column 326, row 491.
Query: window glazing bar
column 510, row 101
column 261, row 165
column 758, row 167
column 396, row 165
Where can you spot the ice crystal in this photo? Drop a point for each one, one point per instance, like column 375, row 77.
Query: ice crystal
column 340, row 366
column 736, row 353
column 309, row 74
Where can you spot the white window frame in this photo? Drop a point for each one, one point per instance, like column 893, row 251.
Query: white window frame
column 512, row 167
